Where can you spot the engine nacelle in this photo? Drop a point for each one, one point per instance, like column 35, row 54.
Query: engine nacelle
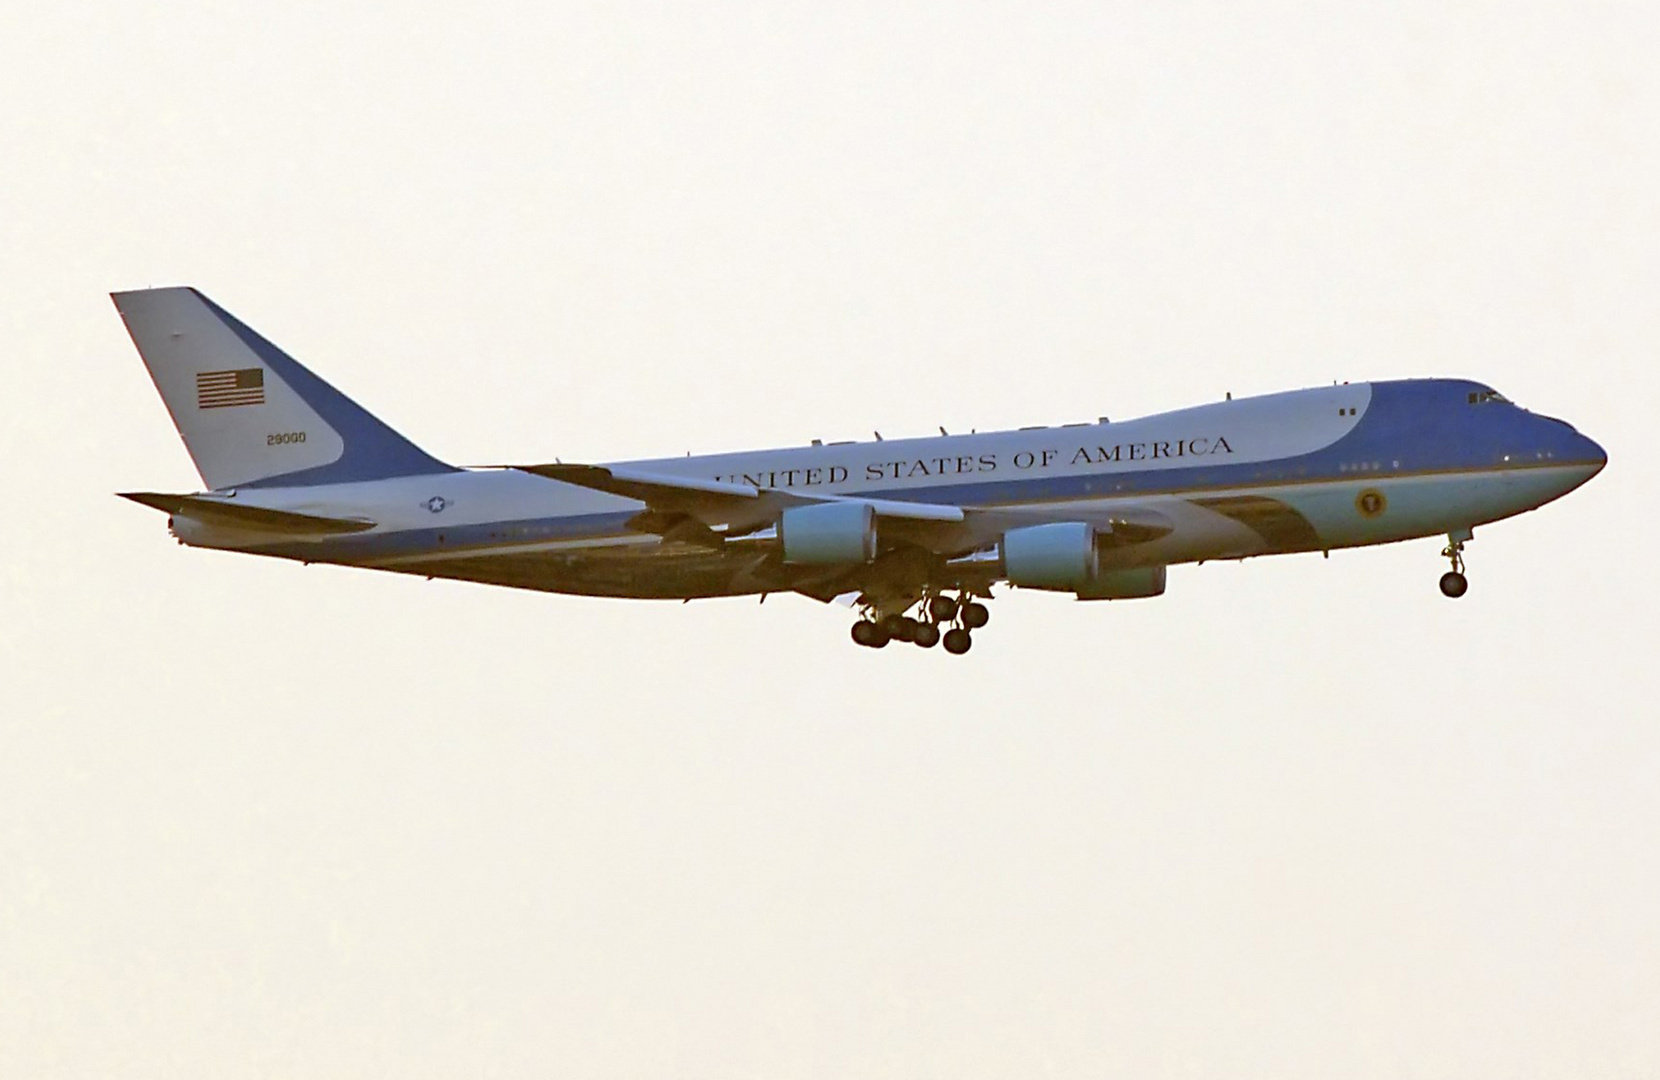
column 1133, row 584
column 828, row 533
column 1064, row 557
column 1059, row 556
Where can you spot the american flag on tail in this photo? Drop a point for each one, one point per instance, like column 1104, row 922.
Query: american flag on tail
column 223, row 389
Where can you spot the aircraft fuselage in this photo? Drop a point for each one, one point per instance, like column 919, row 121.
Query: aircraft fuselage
column 1308, row 470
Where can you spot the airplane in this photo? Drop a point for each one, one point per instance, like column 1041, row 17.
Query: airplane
column 912, row 533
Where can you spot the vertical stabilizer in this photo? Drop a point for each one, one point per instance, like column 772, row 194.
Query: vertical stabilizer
column 249, row 414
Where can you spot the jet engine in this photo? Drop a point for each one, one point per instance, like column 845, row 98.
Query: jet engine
column 1063, row 556
column 827, row 533
column 1133, row 584
column 1058, row 556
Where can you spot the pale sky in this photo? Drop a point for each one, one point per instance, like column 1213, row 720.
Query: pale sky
column 1299, row 818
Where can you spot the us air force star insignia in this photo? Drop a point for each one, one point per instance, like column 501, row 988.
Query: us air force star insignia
column 1371, row 503
column 436, row 503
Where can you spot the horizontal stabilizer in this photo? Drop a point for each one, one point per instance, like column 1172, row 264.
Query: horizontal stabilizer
column 231, row 515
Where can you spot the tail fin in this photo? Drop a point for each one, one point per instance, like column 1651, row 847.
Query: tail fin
column 250, row 415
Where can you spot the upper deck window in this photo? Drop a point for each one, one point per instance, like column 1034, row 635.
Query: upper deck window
column 1484, row 396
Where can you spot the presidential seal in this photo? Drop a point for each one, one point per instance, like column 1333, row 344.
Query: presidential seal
column 1371, row 503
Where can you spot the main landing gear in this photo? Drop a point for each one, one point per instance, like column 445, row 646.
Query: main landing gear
column 939, row 611
column 1453, row 583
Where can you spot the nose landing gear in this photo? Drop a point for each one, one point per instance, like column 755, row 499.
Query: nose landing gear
column 1453, row 583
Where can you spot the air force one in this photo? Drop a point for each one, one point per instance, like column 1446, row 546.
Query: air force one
column 915, row 532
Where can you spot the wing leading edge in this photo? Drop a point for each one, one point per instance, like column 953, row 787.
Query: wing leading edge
column 692, row 509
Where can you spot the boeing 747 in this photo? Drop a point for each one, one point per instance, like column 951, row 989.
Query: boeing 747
column 915, row 532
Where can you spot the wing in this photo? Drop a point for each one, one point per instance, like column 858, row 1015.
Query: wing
column 692, row 510
column 923, row 546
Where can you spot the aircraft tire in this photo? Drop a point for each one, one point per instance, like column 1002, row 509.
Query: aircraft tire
column 958, row 641
column 900, row 627
column 942, row 609
column 872, row 635
column 926, row 635
column 1454, row 584
column 975, row 614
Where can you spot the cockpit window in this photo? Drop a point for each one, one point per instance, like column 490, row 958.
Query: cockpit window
column 1484, row 396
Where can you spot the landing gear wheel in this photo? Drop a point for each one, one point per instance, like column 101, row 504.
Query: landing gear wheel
column 942, row 609
column 958, row 641
column 869, row 634
column 1453, row 583
column 926, row 635
column 975, row 615
column 900, row 627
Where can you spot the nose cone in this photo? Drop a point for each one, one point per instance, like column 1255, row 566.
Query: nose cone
column 1585, row 458
column 1571, row 458
column 1591, row 454
column 1561, row 441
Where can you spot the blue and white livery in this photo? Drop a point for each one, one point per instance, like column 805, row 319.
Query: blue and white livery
column 915, row 531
